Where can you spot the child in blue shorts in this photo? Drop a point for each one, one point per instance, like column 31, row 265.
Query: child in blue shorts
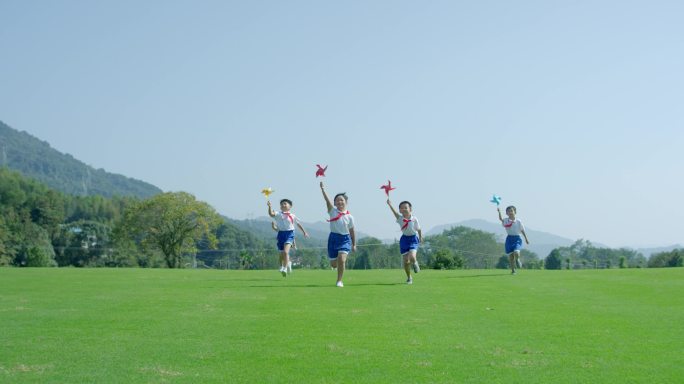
column 514, row 228
column 411, row 236
column 342, row 238
column 285, row 223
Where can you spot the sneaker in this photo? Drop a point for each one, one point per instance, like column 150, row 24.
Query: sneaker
column 416, row 267
column 283, row 271
column 409, row 281
column 289, row 267
column 339, row 284
column 519, row 263
column 512, row 272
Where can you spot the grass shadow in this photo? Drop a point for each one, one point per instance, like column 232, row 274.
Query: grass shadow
column 323, row 285
column 292, row 286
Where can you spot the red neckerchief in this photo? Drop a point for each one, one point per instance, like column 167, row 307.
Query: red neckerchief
column 339, row 215
column 406, row 223
column 289, row 216
column 509, row 224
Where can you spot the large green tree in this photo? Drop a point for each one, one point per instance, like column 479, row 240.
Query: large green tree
column 173, row 223
column 477, row 249
column 83, row 243
column 373, row 254
column 674, row 258
column 553, row 260
column 583, row 253
column 34, row 250
column 31, row 213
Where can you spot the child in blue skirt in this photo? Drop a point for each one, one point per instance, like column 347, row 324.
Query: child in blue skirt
column 514, row 228
column 342, row 238
column 410, row 238
column 285, row 223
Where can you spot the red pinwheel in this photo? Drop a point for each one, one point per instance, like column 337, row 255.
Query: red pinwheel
column 388, row 188
column 321, row 171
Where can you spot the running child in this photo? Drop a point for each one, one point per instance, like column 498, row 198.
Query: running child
column 514, row 228
column 410, row 238
column 342, row 238
column 285, row 223
column 294, row 246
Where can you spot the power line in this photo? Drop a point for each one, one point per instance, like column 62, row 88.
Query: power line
column 230, row 250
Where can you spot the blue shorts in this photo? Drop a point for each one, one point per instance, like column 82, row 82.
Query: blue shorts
column 338, row 243
column 513, row 243
column 285, row 237
column 407, row 243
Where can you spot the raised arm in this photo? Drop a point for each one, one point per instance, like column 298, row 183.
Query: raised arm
column 394, row 211
column 271, row 212
column 327, row 199
column 499, row 211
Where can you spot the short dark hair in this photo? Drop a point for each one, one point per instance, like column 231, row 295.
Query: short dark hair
column 512, row 207
column 406, row 202
column 286, row 201
column 343, row 194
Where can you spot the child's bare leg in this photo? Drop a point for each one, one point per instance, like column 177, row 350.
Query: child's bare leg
column 407, row 266
column 341, row 257
column 285, row 255
column 412, row 256
column 511, row 261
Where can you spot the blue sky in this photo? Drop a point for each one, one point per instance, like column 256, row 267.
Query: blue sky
column 572, row 111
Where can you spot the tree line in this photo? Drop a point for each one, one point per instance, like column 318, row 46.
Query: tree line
column 41, row 227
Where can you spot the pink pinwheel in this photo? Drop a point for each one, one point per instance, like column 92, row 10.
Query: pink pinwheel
column 321, row 171
column 388, row 188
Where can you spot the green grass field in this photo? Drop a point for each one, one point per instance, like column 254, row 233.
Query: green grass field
column 208, row 326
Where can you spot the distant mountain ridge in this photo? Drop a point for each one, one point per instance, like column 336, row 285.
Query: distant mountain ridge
column 34, row 158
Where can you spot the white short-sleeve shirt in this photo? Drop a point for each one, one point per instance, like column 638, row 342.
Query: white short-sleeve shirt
column 408, row 228
column 285, row 221
column 513, row 228
column 341, row 225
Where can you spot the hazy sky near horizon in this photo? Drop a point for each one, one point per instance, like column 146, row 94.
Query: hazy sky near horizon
column 572, row 111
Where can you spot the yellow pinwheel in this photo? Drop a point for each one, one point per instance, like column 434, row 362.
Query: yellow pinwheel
column 267, row 191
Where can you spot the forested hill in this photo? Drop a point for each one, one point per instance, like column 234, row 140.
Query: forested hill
column 41, row 227
column 35, row 158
